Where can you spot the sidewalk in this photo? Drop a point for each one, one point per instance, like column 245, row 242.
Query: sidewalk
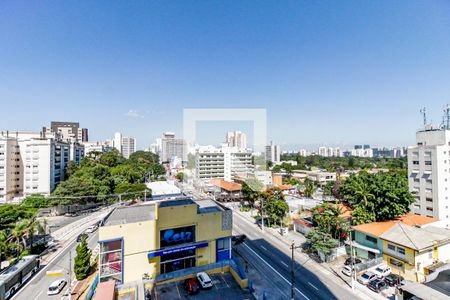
column 361, row 291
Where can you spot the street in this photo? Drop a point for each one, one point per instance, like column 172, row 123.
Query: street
column 36, row 288
column 269, row 266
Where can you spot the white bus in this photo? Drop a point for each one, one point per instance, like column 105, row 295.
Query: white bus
column 16, row 275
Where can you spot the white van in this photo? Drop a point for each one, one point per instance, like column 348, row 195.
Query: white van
column 56, row 287
column 205, row 280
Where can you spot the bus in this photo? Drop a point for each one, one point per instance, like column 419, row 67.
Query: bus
column 16, row 275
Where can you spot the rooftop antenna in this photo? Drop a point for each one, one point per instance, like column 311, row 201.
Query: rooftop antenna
column 446, row 118
column 423, row 111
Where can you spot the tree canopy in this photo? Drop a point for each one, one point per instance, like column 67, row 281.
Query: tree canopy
column 108, row 173
column 376, row 197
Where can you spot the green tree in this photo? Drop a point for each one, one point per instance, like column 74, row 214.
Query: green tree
column 309, row 188
column 360, row 215
column 36, row 201
column 321, row 241
column 112, row 158
column 251, row 190
column 82, row 260
column 381, row 196
column 327, row 219
column 3, row 244
column 181, row 176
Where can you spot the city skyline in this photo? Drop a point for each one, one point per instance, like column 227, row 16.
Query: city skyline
column 74, row 61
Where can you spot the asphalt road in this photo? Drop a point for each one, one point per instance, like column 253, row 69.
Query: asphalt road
column 36, row 288
column 269, row 266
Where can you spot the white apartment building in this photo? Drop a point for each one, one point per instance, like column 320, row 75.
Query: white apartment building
column 44, row 162
column 33, row 163
column 322, row 151
column 303, row 152
column 117, row 141
column 237, row 139
column 224, row 162
column 362, row 152
column 125, row 145
column 69, row 131
column 273, row 153
column 10, row 176
column 128, row 146
column 172, row 147
column 429, row 173
column 101, row 147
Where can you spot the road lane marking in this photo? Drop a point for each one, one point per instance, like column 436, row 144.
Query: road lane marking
column 284, row 263
column 50, row 262
column 263, row 247
column 37, row 296
column 257, row 255
column 313, row 285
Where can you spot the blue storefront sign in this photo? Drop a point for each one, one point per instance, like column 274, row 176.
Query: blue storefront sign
column 176, row 250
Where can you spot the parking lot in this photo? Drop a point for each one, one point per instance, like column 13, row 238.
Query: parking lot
column 224, row 287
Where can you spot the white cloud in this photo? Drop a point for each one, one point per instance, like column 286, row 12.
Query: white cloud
column 132, row 113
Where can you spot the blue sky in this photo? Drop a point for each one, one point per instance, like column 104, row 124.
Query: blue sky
column 335, row 72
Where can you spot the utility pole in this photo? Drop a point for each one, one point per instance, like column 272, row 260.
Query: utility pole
column 351, row 264
column 262, row 214
column 293, row 247
column 70, row 274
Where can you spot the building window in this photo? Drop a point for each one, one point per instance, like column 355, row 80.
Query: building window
column 428, row 163
column 396, row 263
column 223, row 249
column 371, row 239
column 401, row 250
column 110, row 260
column 391, row 247
column 415, row 162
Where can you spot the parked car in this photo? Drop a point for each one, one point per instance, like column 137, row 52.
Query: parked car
column 367, row 277
column 377, row 285
column 347, row 270
column 56, row 287
column 393, row 279
column 91, row 229
column 80, row 237
column 192, row 286
column 204, row 280
column 348, row 261
column 382, row 271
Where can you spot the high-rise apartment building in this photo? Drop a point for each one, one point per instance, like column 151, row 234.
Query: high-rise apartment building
column 125, row 145
column 69, row 131
column 303, row 152
column 33, row 163
column 172, row 147
column 10, row 175
column 273, row 153
column 429, row 173
column 128, row 146
column 224, row 162
column 236, row 139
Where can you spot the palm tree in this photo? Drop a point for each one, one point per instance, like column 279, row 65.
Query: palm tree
column 363, row 193
column 3, row 244
column 17, row 237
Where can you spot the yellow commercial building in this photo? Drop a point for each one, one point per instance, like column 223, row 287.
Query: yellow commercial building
column 414, row 252
column 143, row 241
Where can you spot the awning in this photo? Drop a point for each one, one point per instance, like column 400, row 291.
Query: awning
column 177, row 249
column 358, row 245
